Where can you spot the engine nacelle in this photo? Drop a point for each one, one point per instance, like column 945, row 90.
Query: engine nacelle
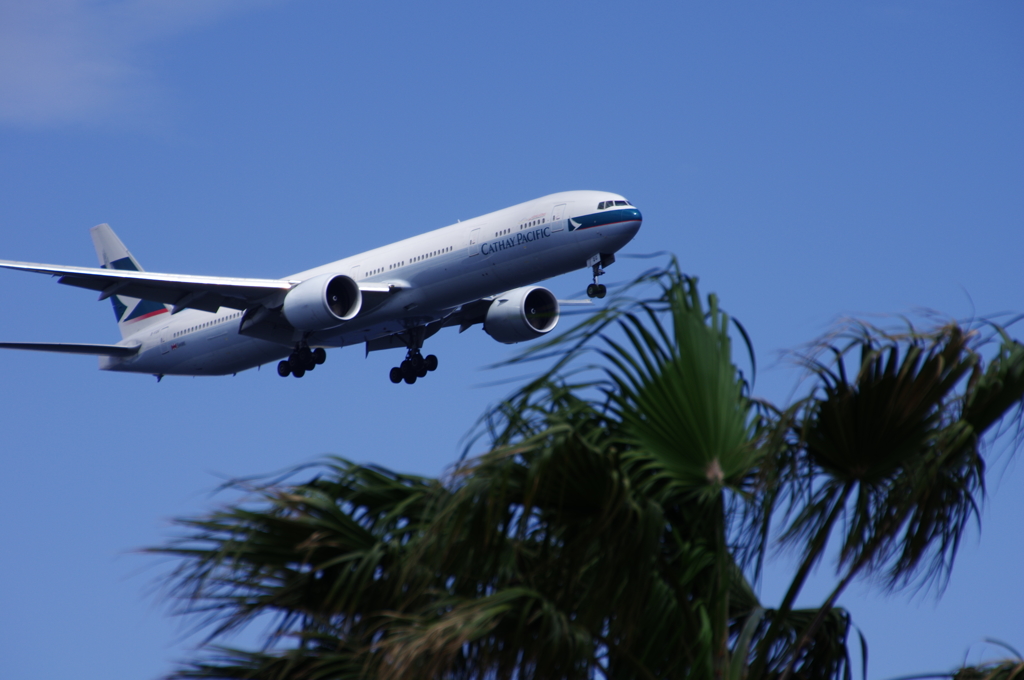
column 521, row 314
column 322, row 302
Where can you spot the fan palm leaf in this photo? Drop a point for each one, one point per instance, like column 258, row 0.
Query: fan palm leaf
column 315, row 558
column 891, row 458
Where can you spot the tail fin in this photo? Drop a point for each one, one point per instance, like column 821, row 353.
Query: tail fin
column 132, row 314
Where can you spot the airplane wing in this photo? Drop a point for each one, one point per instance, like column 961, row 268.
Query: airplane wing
column 75, row 348
column 182, row 291
column 465, row 316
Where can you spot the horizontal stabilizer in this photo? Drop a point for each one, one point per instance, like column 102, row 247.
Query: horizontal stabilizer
column 75, row 348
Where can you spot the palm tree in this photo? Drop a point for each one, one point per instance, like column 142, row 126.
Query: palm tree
column 625, row 504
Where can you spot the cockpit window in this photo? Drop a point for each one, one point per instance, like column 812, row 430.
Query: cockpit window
column 609, row 204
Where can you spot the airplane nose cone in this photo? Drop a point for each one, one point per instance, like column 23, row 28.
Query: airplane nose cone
column 632, row 225
column 623, row 231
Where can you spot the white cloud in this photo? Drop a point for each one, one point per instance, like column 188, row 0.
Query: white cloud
column 80, row 61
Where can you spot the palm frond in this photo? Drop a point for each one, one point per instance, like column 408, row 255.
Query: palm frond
column 1011, row 669
column 316, row 554
column 328, row 660
column 884, row 451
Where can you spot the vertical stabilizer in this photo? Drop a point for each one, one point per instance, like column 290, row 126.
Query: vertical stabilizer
column 132, row 314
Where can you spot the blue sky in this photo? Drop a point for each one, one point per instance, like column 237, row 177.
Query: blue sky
column 807, row 161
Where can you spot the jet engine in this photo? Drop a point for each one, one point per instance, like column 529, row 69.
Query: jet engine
column 521, row 314
column 322, row 302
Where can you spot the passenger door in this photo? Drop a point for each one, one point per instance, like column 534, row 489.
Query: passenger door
column 556, row 217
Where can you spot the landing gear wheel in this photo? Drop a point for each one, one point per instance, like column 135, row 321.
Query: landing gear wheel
column 601, row 290
column 430, row 362
column 298, row 372
column 410, row 371
column 592, row 290
column 319, row 355
column 396, row 375
column 416, row 366
column 284, row 369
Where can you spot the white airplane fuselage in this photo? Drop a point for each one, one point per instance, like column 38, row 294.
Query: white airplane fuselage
column 434, row 273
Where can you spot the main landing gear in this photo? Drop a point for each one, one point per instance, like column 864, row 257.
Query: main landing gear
column 415, row 366
column 302, row 359
column 597, row 290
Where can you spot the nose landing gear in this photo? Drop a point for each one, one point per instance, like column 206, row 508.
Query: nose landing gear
column 597, row 290
column 415, row 366
column 302, row 359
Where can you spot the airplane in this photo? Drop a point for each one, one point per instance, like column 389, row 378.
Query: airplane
column 478, row 271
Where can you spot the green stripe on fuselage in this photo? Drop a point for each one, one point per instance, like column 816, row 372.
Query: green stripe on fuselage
column 599, row 219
